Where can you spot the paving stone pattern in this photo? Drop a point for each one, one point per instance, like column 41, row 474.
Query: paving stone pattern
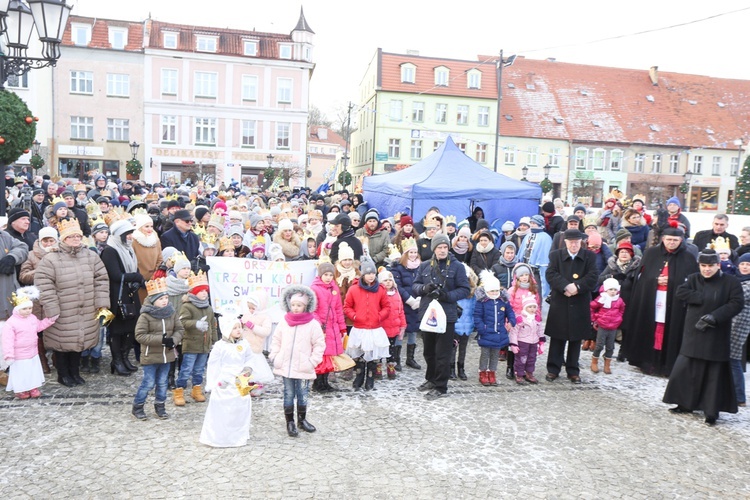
column 610, row 437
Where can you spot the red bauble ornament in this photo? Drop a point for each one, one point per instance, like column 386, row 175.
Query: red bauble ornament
column 36, row 118
column 29, row 119
column 2, row 140
column 25, row 151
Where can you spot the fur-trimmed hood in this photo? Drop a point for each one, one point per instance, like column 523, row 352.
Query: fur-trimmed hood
column 312, row 304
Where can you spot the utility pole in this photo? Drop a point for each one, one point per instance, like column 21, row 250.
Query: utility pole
column 499, row 70
column 348, row 132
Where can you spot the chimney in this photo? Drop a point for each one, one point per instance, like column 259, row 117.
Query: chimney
column 412, row 52
column 653, row 73
column 322, row 134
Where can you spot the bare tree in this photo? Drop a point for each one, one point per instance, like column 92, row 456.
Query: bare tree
column 286, row 170
column 316, row 117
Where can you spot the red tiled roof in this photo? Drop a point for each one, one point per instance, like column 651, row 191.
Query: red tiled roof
column 333, row 137
column 100, row 32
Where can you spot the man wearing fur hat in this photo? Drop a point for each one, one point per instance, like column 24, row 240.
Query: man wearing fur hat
column 377, row 239
column 701, row 378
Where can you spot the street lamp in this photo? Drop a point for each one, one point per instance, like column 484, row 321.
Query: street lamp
column 35, row 147
column 134, row 148
column 524, row 172
column 685, row 187
column 547, row 169
column 270, row 160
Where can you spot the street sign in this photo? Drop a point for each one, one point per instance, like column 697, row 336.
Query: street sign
column 381, row 156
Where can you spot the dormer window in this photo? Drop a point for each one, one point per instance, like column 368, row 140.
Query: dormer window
column 251, row 47
column 118, row 38
column 408, row 72
column 205, row 44
column 285, row 51
column 170, row 40
column 474, row 79
column 442, row 75
column 80, row 34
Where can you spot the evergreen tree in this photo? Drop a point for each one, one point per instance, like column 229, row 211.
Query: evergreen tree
column 741, row 203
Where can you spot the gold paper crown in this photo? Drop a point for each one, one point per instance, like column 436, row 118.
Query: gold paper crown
column 590, row 220
column 199, row 279
column 216, row 220
column 407, row 244
column 177, row 256
column 209, row 239
column 450, row 219
column 25, row 294
column 172, row 197
column 720, row 243
column 80, row 187
column 136, row 197
column 19, row 179
column 58, row 199
column 245, row 383
column 393, row 252
column 112, row 216
column 151, row 197
column 106, row 192
column 92, row 207
column 96, row 219
column 138, row 211
column 68, row 227
column 641, row 197
column 225, row 244
column 158, row 285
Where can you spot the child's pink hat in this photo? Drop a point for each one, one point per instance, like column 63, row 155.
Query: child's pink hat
column 529, row 300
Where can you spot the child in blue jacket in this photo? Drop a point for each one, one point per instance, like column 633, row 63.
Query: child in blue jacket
column 491, row 312
column 464, row 328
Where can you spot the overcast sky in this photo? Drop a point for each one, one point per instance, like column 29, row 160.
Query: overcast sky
column 711, row 38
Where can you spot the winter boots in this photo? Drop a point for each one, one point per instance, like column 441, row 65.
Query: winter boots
column 94, row 366
column 372, row 367
column 410, row 362
column 594, row 364
column 391, row 370
column 397, row 357
column 138, row 412
column 302, row 422
column 491, row 377
column 359, row 379
column 291, row 429
column 197, row 394
column 160, row 411
column 378, row 370
column 453, row 372
column 461, row 372
column 85, row 364
column 178, row 396
column 607, row 367
column 483, row 378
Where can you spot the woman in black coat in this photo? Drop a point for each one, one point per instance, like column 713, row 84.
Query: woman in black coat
column 404, row 273
column 485, row 253
column 122, row 267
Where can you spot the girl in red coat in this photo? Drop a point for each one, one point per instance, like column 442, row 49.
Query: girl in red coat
column 330, row 315
column 606, row 314
column 395, row 323
column 368, row 307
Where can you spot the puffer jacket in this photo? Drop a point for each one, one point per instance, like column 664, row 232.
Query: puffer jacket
column 377, row 243
column 20, row 336
column 330, row 314
column 367, row 310
column 530, row 333
column 608, row 318
column 465, row 323
column 149, row 332
column 490, row 316
column 297, row 350
column 261, row 329
column 516, row 294
column 195, row 341
column 395, row 320
column 455, row 282
column 73, row 283
column 8, row 282
column 28, row 269
column 404, row 279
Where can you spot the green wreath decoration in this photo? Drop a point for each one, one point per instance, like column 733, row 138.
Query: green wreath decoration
column 36, row 162
column 683, row 188
column 546, row 186
column 345, row 178
column 133, row 167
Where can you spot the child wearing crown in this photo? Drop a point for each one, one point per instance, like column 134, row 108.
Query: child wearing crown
column 234, row 372
column 158, row 330
column 19, row 345
column 200, row 333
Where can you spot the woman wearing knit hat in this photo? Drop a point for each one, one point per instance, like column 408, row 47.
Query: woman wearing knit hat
column 461, row 247
column 406, row 230
column 330, row 314
column 124, row 281
column 147, row 248
column 289, row 241
column 177, row 288
column 404, row 273
column 395, row 323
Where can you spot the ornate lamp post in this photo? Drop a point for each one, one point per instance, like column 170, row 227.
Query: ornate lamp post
column 685, row 188
column 524, row 172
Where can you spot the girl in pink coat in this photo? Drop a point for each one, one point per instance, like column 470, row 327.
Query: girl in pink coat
column 330, row 315
column 19, row 343
column 296, row 349
column 607, row 312
column 395, row 323
column 522, row 286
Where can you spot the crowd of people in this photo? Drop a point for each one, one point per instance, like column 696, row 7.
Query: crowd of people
column 124, row 265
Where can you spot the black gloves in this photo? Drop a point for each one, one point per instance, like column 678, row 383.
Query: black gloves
column 7, row 265
column 427, row 289
column 442, row 294
column 706, row 321
column 167, row 342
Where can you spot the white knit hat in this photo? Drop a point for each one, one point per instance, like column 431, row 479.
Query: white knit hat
column 489, row 281
column 141, row 220
column 384, row 275
column 48, row 232
column 611, row 283
column 285, row 224
column 345, row 251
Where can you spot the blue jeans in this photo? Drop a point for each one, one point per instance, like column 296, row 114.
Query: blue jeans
column 193, row 365
column 411, row 338
column 295, row 387
column 96, row 352
column 739, row 379
column 153, row 375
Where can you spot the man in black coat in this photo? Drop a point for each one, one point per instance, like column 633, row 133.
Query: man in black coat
column 442, row 278
column 649, row 344
column 702, row 378
column 572, row 276
column 181, row 236
column 341, row 227
column 708, row 236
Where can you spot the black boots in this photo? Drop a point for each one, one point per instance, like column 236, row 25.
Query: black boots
column 410, row 362
column 461, row 372
column 302, row 422
column 94, row 366
column 509, row 371
column 138, row 412
column 318, row 385
column 170, row 377
column 359, row 379
column 64, row 375
column 126, row 357
column 117, row 366
column 453, row 372
column 291, row 429
column 372, row 366
column 85, row 364
column 397, row 357
column 160, row 411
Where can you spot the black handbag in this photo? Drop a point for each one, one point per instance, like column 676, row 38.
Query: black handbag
column 127, row 311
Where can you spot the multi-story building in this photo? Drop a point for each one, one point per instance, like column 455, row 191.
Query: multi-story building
column 325, row 151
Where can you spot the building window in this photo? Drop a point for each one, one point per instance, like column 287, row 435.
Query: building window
column 436, row 145
column 417, row 112
column 168, row 81
column 416, row 150
column 118, row 38
column 248, row 133
column 462, row 114
column 442, row 76
column 118, row 85
column 441, row 113
column 532, row 156
column 205, row 44
column 205, row 131
column 716, row 165
column 461, row 146
column 285, row 51
column 250, row 47
column 554, row 157
column 474, row 79
column 510, row 155
column 674, row 164
column 481, row 156
column 80, row 34
column 395, row 112
column 170, row 40
column 394, row 148
column 697, row 165
column 282, row 135
column 408, row 72
column 82, row 127
column 206, row 84
column 18, row 82
column 118, row 129
column 582, row 158
column 168, row 129
column 81, row 82
column 640, row 159
column 656, row 164
column 249, row 88
column 734, row 166
column 307, row 53
column 598, row 157
column 284, row 90
column 483, row 116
